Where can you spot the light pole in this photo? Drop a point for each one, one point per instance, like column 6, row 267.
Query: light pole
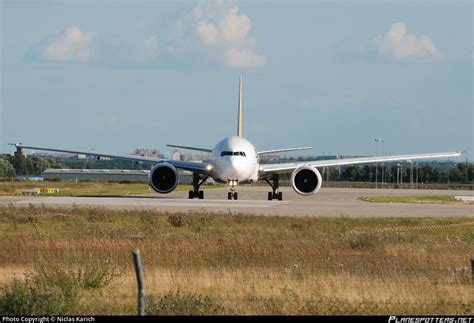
column 399, row 175
column 383, row 154
column 417, row 175
column 448, row 174
column 376, row 153
column 398, row 171
column 377, row 140
column 411, row 173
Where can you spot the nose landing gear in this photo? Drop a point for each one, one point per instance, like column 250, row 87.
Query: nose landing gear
column 196, row 185
column 232, row 194
column 274, row 195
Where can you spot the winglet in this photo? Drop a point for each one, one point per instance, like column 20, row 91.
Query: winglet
column 239, row 116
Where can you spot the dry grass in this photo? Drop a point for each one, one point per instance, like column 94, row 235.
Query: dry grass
column 250, row 264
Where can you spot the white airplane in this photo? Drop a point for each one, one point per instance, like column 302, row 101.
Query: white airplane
column 236, row 161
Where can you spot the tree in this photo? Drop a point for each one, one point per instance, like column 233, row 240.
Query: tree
column 350, row 173
column 438, row 175
column 461, row 173
column 387, row 174
column 20, row 164
column 426, row 174
column 6, row 168
column 366, row 173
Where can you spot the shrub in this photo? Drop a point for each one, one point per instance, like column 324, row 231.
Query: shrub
column 182, row 304
column 362, row 240
column 17, row 299
column 94, row 277
column 53, row 290
column 176, row 220
column 95, row 214
column 300, row 226
column 86, row 277
column 27, row 298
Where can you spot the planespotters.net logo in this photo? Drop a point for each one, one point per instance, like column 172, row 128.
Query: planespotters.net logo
column 396, row 319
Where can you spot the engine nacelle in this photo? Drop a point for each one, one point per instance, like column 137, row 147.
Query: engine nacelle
column 306, row 180
column 163, row 178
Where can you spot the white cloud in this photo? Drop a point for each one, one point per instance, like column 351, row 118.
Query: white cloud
column 147, row 50
column 243, row 58
column 216, row 31
column 399, row 45
column 213, row 32
column 207, row 32
column 75, row 45
column 234, row 27
column 72, row 46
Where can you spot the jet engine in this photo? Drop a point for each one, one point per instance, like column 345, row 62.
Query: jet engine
column 163, row 178
column 306, row 180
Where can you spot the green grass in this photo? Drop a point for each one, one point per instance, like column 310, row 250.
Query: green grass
column 437, row 199
column 92, row 188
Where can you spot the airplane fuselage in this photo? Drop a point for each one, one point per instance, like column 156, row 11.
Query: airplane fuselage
column 234, row 159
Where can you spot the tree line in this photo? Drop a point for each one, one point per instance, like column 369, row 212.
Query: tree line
column 13, row 165
column 421, row 173
column 428, row 172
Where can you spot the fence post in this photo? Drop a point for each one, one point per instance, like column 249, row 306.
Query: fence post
column 472, row 267
column 141, row 286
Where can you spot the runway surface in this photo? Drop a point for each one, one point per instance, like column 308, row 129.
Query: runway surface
column 333, row 202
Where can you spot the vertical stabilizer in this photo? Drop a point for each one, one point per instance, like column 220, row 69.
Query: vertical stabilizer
column 239, row 117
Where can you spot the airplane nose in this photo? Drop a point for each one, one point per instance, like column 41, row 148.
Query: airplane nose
column 234, row 164
column 235, row 168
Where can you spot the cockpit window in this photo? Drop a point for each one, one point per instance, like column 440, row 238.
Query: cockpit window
column 233, row 153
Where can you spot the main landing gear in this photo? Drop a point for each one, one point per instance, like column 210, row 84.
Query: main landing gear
column 232, row 194
column 196, row 184
column 274, row 195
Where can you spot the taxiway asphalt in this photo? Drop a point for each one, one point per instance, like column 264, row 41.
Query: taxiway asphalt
column 332, row 202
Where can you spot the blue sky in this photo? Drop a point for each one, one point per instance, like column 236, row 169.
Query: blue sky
column 118, row 75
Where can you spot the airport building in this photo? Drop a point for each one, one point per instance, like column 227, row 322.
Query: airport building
column 148, row 153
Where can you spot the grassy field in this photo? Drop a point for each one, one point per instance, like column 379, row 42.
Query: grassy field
column 441, row 199
column 93, row 188
column 227, row 263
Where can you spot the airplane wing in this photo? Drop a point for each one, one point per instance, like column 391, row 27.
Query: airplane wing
column 272, row 151
column 200, row 168
column 266, row 169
